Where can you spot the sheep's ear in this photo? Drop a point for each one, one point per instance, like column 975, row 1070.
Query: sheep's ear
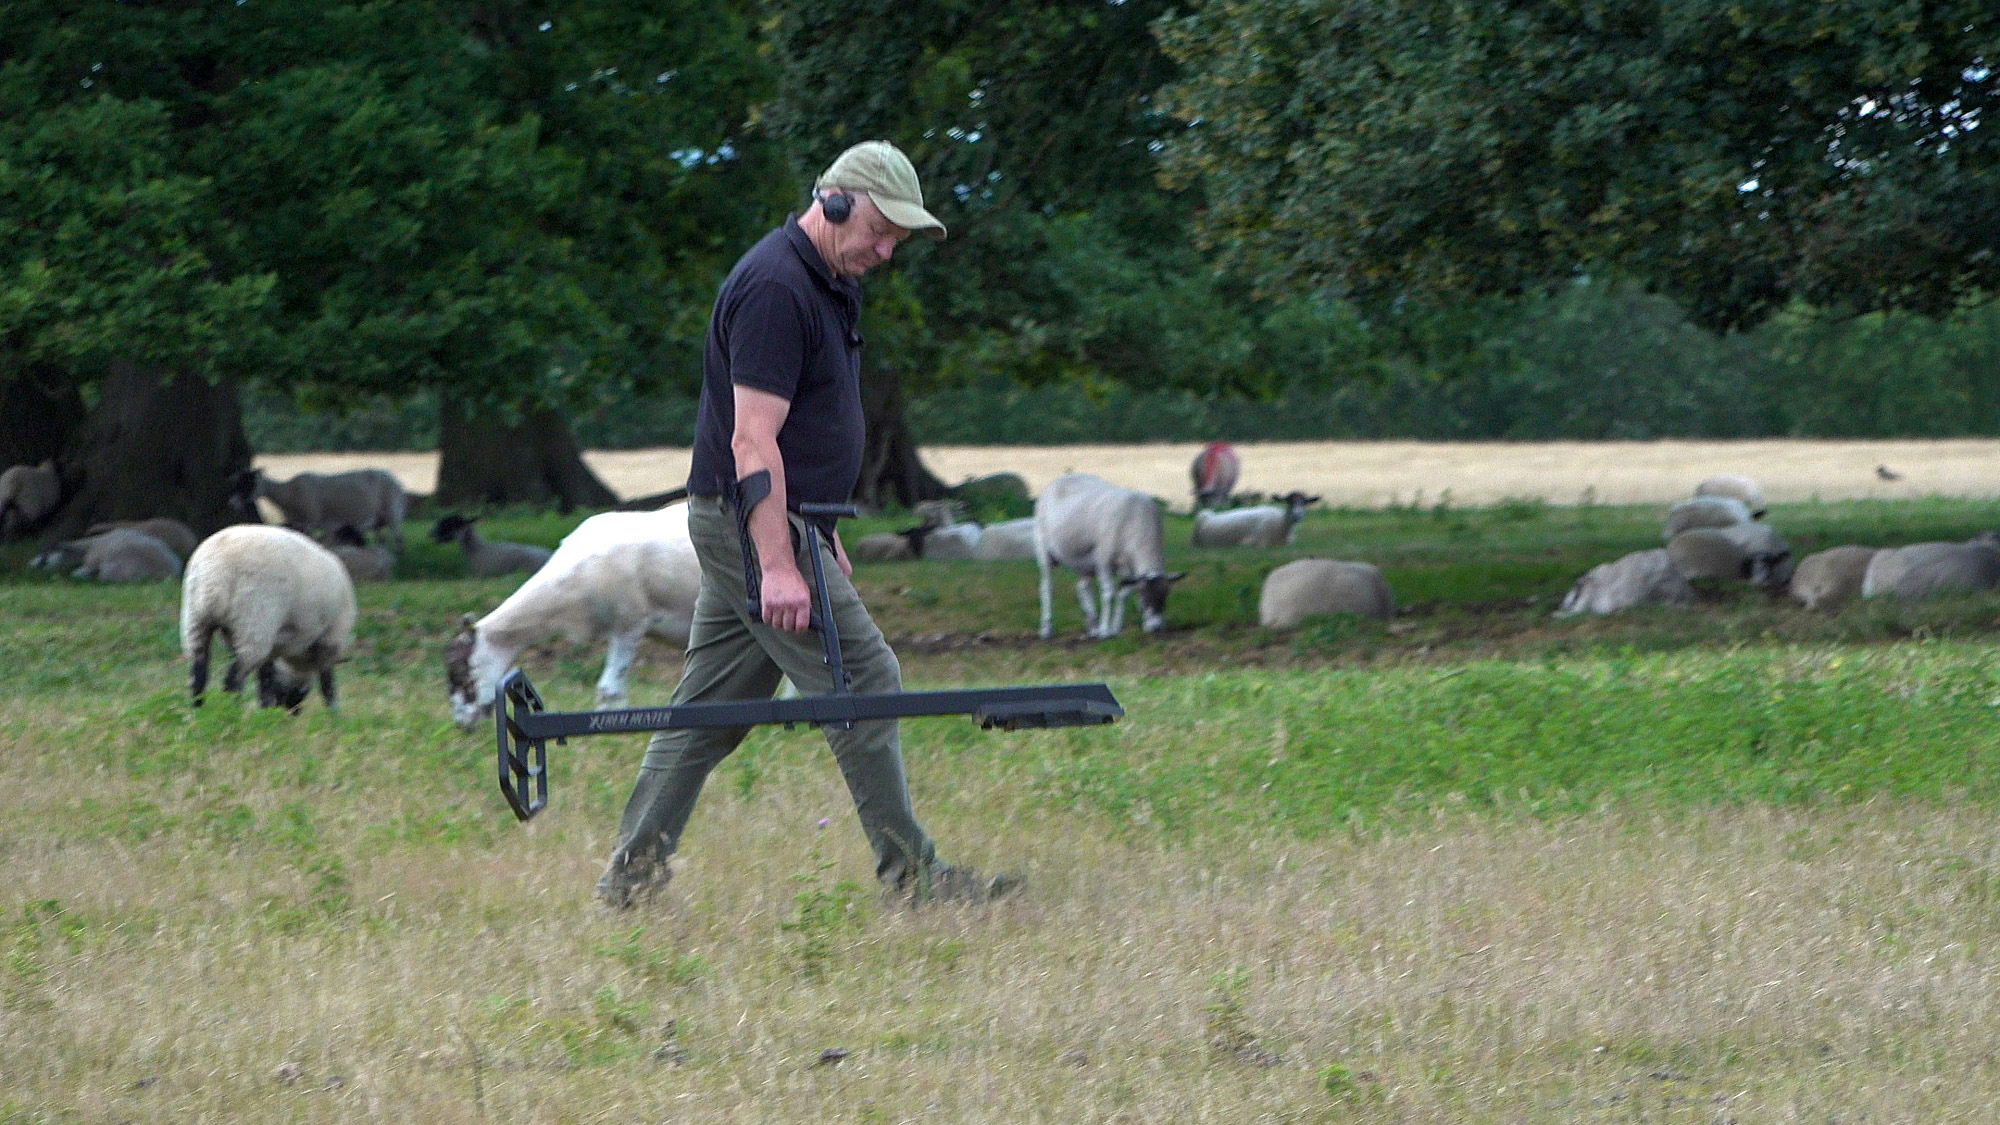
column 1175, row 576
column 466, row 621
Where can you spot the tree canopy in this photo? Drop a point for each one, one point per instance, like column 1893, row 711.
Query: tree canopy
column 1734, row 156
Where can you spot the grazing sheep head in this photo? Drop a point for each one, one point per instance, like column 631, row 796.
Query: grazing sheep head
column 243, row 489
column 448, row 528
column 347, row 535
column 471, row 700
column 1152, row 597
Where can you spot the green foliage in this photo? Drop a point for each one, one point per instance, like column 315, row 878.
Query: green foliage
column 1735, row 156
column 823, row 911
column 359, row 200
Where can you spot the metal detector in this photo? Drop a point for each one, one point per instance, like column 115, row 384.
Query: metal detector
column 523, row 726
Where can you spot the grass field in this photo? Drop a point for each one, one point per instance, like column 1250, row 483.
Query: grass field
column 1736, row 863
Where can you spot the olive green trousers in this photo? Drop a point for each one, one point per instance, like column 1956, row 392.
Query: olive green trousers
column 732, row 657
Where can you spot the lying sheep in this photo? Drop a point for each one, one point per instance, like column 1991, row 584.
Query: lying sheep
column 363, row 562
column 28, row 493
column 1831, row 578
column 1704, row 511
column 884, row 546
column 1734, row 486
column 1009, row 539
column 1264, row 526
column 1214, row 472
column 283, row 604
column 1744, row 552
column 1309, row 587
column 1640, row 578
column 119, row 555
column 172, row 532
column 487, row 558
column 1923, row 569
column 317, row 503
column 953, row 541
column 617, row 576
column 1096, row 528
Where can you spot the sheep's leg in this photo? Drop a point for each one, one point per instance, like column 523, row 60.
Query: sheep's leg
column 1047, row 628
column 1110, row 602
column 618, row 657
column 326, row 688
column 198, row 646
column 1123, row 595
column 1089, row 607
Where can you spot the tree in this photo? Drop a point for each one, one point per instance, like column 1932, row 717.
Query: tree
column 513, row 206
column 1735, row 157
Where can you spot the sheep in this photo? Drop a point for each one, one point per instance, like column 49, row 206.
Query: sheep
column 1922, row 569
column 1009, row 539
column 119, row 555
column 363, row 562
column 487, row 558
column 175, row 534
column 316, row 503
column 1214, row 472
column 1831, row 578
column 1264, row 526
column 614, row 578
column 1640, row 578
column 283, row 604
column 28, row 493
column 1734, row 486
column 1704, row 511
column 952, row 541
column 1750, row 552
column 885, row 546
column 1096, row 528
column 1306, row 587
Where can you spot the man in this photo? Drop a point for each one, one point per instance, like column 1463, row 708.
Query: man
column 781, row 395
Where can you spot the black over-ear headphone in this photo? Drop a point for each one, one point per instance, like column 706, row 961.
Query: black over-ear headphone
column 836, row 205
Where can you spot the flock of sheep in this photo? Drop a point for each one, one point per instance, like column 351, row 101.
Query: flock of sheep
column 1720, row 535
column 282, row 597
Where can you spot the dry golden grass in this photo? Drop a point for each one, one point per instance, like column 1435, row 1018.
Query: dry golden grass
column 1369, row 474
column 1736, row 965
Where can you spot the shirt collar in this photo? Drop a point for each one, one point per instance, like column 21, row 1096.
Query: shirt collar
column 809, row 254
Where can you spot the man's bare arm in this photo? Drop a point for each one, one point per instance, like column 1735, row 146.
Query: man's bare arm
column 759, row 416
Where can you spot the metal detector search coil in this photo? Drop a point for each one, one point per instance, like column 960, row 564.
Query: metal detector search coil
column 523, row 726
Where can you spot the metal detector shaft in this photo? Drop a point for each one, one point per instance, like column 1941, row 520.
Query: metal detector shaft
column 522, row 726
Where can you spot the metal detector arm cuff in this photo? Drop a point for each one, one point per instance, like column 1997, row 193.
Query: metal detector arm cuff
column 747, row 494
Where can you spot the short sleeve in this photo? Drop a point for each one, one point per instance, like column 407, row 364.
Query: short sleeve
column 767, row 340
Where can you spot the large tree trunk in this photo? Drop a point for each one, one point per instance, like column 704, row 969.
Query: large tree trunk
column 482, row 460
column 891, row 470
column 153, row 448
column 40, row 410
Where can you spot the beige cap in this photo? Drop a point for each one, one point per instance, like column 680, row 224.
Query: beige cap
column 880, row 169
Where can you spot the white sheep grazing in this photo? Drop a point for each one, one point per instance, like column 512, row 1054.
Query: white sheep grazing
column 28, row 493
column 1640, row 578
column 1922, row 569
column 614, row 578
column 1704, row 511
column 1831, row 578
column 1308, row 587
column 1009, row 539
column 1098, row 529
column 283, row 604
column 172, row 532
column 1263, row 526
column 363, row 562
column 1746, row 552
column 1735, row 486
column 125, row 555
column 487, row 558
column 316, row 503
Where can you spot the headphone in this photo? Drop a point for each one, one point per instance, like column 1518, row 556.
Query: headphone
column 836, row 205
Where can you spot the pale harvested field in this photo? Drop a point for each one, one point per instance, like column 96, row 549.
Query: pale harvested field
column 1367, row 474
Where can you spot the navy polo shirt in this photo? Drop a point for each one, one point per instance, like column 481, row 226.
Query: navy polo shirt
column 783, row 323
